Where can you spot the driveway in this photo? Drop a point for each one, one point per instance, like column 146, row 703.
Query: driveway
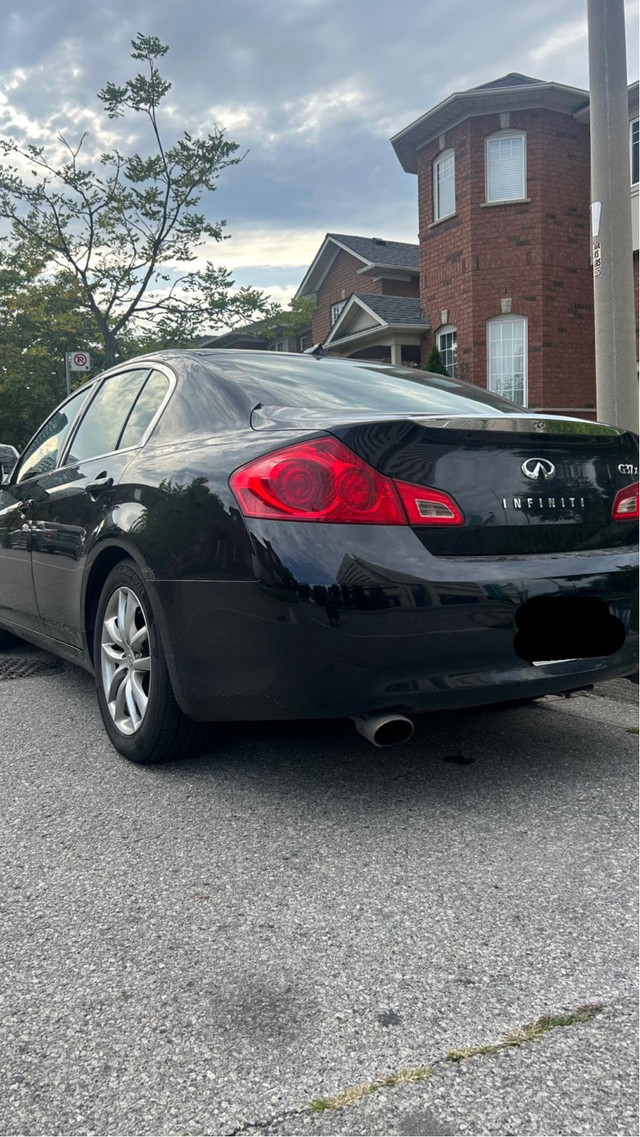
column 207, row 948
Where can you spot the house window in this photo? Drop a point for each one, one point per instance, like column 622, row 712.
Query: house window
column 506, row 159
column 336, row 310
column 444, row 185
column 278, row 346
column 634, row 142
column 447, row 341
column 507, row 357
column 304, row 343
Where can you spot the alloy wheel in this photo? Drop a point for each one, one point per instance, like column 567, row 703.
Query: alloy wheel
column 125, row 660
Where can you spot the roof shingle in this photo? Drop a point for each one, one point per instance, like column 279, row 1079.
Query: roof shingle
column 400, row 254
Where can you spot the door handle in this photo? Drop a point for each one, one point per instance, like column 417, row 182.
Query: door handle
column 94, row 489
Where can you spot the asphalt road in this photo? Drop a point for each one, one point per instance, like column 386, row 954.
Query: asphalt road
column 205, row 948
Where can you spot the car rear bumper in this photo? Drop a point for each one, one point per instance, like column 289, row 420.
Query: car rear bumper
column 363, row 638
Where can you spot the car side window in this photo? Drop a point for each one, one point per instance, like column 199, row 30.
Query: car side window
column 100, row 429
column 41, row 455
column 145, row 407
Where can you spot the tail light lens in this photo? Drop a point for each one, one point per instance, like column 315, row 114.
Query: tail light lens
column 323, row 480
column 625, row 505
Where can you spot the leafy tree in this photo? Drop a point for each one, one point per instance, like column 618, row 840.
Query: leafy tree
column 435, row 362
column 116, row 230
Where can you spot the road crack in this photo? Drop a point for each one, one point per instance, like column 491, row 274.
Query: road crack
column 531, row 1032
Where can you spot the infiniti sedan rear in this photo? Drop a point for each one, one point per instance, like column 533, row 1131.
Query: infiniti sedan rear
column 246, row 535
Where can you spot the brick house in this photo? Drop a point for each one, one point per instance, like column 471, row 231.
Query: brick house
column 505, row 275
column 366, row 292
column 253, row 337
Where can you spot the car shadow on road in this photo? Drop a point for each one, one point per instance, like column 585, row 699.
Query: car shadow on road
column 480, row 753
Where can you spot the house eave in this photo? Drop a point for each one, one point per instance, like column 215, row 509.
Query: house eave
column 471, row 104
column 315, row 274
column 375, row 331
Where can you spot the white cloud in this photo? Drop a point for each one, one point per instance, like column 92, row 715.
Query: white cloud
column 562, row 39
column 263, row 248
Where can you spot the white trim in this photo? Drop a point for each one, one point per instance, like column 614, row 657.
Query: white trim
column 444, row 155
column 498, row 136
column 462, row 105
column 632, row 122
column 351, row 302
column 524, row 323
column 338, row 245
column 447, row 330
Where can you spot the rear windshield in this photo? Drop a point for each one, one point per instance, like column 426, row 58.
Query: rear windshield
column 332, row 384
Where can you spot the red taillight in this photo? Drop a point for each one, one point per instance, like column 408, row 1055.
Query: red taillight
column 625, row 506
column 323, row 480
column 427, row 506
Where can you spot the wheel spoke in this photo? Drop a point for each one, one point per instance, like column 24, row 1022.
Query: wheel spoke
column 140, row 697
column 121, row 616
column 134, row 714
column 138, row 638
column 112, row 630
column 142, row 664
column 119, row 709
column 113, row 652
column 115, row 684
column 130, row 616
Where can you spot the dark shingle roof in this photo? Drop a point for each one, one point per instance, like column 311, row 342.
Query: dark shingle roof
column 394, row 309
column 400, row 254
column 513, row 79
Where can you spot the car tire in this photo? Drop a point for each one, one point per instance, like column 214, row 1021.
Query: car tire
column 138, row 707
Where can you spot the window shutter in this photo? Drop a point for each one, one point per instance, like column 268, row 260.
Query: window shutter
column 505, row 168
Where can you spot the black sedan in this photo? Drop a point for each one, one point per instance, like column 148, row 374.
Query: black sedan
column 250, row 535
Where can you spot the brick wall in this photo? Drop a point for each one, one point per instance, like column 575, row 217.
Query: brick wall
column 536, row 253
column 341, row 280
column 399, row 287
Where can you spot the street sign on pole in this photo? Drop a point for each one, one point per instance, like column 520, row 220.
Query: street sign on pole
column 75, row 361
column 79, row 360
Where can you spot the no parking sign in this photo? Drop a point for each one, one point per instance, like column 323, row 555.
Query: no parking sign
column 78, row 360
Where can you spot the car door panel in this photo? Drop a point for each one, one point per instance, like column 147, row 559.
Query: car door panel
column 72, row 515
column 17, row 594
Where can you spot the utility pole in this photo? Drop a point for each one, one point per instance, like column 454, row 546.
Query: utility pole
column 616, row 371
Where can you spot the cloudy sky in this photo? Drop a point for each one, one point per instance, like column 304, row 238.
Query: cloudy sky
column 313, row 89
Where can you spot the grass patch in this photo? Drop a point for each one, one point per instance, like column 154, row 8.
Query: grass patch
column 354, row 1093
column 632, row 729
column 529, row 1033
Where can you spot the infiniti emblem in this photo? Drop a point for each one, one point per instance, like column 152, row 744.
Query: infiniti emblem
column 538, row 468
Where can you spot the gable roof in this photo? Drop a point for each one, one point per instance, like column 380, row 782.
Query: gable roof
column 393, row 309
column 509, row 92
column 513, row 79
column 377, row 251
column 383, row 312
column 373, row 252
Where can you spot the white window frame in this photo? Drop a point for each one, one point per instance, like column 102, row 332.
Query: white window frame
column 303, row 343
column 439, row 160
column 502, row 321
column 500, row 136
column 336, row 309
column 447, row 330
column 633, row 122
column 278, row 346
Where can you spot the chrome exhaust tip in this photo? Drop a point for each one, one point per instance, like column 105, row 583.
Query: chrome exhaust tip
column 385, row 729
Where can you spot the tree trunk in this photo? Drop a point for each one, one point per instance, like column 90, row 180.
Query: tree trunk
column 109, row 348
